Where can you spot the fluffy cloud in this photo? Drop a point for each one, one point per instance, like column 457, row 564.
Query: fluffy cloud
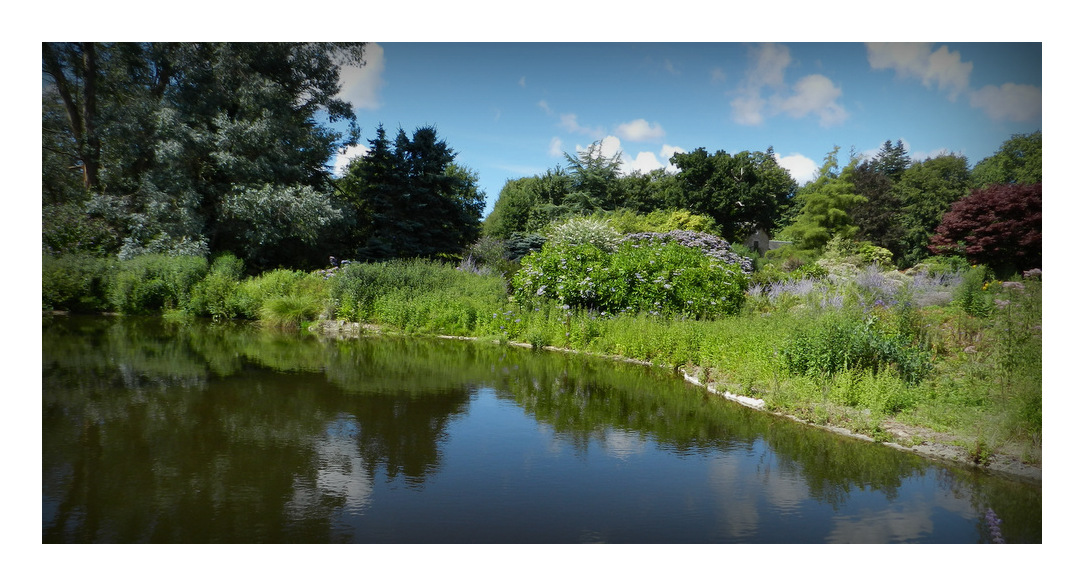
column 640, row 130
column 917, row 60
column 801, row 168
column 668, row 151
column 813, row 94
column 643, row 161
column 343, row 159
column 556, row 148
column 545, row 106
column 361, row 85
column 1017, row 103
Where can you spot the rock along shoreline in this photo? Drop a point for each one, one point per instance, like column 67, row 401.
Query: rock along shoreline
column 997, row 464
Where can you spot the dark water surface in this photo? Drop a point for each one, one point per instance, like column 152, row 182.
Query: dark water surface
column 153, row 432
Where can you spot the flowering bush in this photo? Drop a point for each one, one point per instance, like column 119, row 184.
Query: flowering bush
column 587, row 231
column 655, row 278
column 711, row 245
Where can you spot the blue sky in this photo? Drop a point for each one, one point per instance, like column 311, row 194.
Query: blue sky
column 512, row 109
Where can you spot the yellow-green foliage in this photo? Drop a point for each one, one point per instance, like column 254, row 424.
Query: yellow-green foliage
column 629, row 222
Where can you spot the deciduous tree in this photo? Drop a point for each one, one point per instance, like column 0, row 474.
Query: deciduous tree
column 741, row 192
column 927, row 190
column 1000, row 226
column 1018, row 161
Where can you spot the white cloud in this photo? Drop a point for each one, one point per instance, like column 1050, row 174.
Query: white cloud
column 643, row 163
column 610, row 147
column 571, row 124
column 640, row 130
column 545, row 106
column 342, row 160
column 918, row 60
column 361, row 85
column 801, row 168
column 1014, row 102
column 814, row 94
column 770, row 61
column 668, row 151
column 556, row 148
column 671, row 68
column 748, row 110
column 523, row 81
column 718, row 75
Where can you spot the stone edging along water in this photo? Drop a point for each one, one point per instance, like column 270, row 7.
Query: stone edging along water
column 997, row 464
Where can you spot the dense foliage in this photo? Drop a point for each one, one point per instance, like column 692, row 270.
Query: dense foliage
column 825, row 204
column 640, row 276
column 1018, row 161
column 174, row 147
column 202, row 148
column 410, row 199
column 1000, row 226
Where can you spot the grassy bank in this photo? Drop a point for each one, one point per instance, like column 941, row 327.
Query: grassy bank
column 955, row 352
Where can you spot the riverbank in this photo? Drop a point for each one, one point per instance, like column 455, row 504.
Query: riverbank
column 932, row 444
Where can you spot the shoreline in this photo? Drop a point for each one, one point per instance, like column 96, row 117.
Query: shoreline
column 997, row 464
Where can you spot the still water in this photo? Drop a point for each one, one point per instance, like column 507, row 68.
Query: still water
column 157, row 432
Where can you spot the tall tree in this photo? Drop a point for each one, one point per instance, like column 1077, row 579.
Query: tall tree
column 926, row 191
column 164, row 133
column 825, row 205
column 1019, row 160
column 892, row 160
column 741, row 192
column 414, row 201
column 877, row 218
column 594, row 180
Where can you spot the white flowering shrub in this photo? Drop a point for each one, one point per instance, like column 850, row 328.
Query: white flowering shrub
column 584, row 231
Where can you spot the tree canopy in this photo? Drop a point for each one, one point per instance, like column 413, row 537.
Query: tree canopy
column 742, row 192
column 1018, row 161
column 926, row 191
column 172, row 142
column 825, row 205
column 411, row 199
column 1000, row 226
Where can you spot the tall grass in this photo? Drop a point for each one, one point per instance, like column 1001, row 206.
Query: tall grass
column 950, row 351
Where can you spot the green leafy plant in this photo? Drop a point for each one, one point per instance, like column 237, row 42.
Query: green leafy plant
column 662, row 279
column 154, row 282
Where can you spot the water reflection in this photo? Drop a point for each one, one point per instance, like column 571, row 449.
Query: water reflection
column 197, row 433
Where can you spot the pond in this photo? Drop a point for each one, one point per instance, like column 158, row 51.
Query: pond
column 226, row 433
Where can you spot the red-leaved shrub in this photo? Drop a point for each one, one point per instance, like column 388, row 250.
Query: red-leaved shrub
column 1000, row 226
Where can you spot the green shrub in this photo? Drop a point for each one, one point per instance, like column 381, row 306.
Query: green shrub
column 75, row 282
column 281, row 297
column 872, row 254
column 153, row 282
column 971, row 294
column 838, row 343
column 216, row 296
column 654, row 278
column 291, row 310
